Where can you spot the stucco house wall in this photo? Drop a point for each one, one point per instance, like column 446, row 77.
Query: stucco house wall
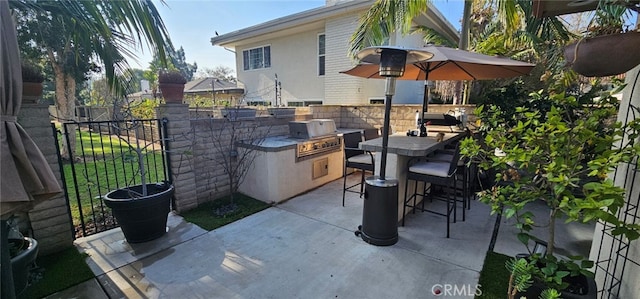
column 346, row 89
column 341, row 88
column 294, row 46
column 293, row 60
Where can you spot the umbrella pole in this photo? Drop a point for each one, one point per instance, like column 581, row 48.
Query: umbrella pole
column 423, row 129
column 425, row 103
column 389, row 91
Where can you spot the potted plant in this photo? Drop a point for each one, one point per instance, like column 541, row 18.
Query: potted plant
column 606, row 49
column 560, row 155
column 23, row 252
column 32, row 79
column 171, row 83
column 141, row 208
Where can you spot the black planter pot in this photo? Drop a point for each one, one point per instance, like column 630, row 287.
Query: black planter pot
column 22, row 263
column 580, row 287
column 141, row 218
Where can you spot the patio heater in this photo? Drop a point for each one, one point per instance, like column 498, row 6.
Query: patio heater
column 380, row 209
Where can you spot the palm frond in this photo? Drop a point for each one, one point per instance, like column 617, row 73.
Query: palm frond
column 434, row 37
column 383, row 18
column 508, row 15
column 550, row 294
column 109, row 29
column 521, row 274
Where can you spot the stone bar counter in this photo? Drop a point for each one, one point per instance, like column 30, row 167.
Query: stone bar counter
column 400, row 149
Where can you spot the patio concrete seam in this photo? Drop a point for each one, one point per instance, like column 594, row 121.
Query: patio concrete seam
column 315, row 219
column 399, row 246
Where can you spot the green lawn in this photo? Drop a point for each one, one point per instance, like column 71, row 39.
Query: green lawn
column 91, row 143
column 205, row 216
column 494, row 277
column 95, row 179
column 105, row 163
column 60, row 271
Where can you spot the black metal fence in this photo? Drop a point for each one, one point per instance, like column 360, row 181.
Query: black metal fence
column 107, row 155
column 613, row 257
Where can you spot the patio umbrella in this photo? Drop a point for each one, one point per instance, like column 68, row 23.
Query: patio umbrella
column 446, row 64
column 26, row 175
column 393, row 63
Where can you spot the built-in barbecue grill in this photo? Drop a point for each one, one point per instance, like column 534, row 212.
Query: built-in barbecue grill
column 317, row 137
column 310, row 156
column 441, row 119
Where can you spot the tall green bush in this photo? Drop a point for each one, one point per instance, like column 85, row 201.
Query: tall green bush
column 561, row 155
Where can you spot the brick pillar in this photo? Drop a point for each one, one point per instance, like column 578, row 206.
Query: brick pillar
column 50, row 219
column 180, row 145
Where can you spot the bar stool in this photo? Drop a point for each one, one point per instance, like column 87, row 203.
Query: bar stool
column 371, row 134
column 433, row 171
column 355, row 158
column 462, row 186
column 465, row 173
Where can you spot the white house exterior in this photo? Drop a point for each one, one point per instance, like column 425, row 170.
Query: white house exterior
column 291, row 48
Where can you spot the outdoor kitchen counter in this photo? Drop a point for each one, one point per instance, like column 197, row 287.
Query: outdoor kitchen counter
column 273, row 144
column 400, row 149
column 277, row 173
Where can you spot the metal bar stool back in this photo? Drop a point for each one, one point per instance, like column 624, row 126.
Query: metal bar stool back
column 433, row 170
column 357, row 159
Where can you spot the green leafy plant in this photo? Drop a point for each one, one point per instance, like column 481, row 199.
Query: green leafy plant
column 144, row 109
column 520, row 277
column 550, row 294
column 562, row 156
column 609, row 18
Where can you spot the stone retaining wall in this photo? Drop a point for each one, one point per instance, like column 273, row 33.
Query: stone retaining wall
column 50, row 220
column 402, row 117
column 196, row 175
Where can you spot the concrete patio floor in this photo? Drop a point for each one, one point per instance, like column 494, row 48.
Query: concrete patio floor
column 303, row 248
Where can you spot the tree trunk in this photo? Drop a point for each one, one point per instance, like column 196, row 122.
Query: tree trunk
column 65, row 106
column 463, row 44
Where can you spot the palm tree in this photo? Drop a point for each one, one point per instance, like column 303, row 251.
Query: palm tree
column 383, row 18
column 71, row 33
column 388, row 16
column 515, row 32
column 514, row 18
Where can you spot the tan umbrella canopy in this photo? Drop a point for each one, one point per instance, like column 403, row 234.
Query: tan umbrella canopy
column 446, row 64
column 26, row 175
column 394, row 63
column 436, row 63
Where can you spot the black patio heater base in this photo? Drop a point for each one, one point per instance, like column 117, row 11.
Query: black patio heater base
column 380, row 212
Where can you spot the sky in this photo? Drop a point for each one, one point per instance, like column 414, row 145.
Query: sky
column 192, row 23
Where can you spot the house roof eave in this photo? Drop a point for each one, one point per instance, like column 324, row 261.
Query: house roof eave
column 229, row 90
column 314, row 18
column 283, row 26
column 434, row 19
